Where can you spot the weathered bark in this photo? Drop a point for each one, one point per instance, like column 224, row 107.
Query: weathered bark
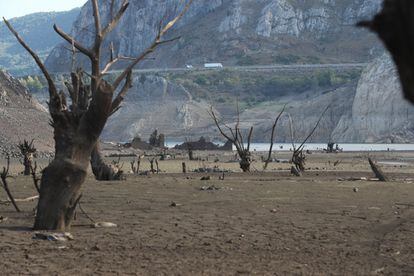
column 78, row 124
column 272, row 139
column 27, row 150
column 157, row 165
column 101, row 170
column 3, row 176
column 245, row 163
column 295, row 171
column 135, row 168
column 395, row 26
column 36, row 180
column 299, row 159
column 190, row 154
column 27, row 163
column 236, row 138
column 330, row 147
column 377, row 171
column 152, row 165
column 298, row 156
column 74, row 140
column 59, row 194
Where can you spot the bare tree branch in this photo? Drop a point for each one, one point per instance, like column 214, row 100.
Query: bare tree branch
column 272, row 137
column 116, row 18
column 121, row 95
column 72, row 41
column 214, row 117
column 97, row 21
column 4, row 175
column 314, row 129
column 53, row 94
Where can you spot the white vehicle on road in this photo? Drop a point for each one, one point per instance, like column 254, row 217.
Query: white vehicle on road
column 213, row 65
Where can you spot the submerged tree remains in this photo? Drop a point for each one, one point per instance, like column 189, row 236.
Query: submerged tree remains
column 236, row 137
column 102, row 170
column 298, row 156
column 377, row 171
column 4, row 176
column 78, row 125
column 272, row 138
column 27, row 150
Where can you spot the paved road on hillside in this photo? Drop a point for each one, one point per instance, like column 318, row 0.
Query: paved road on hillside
column 295, row 67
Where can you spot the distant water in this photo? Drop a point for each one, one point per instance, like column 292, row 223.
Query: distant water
column 317, row 146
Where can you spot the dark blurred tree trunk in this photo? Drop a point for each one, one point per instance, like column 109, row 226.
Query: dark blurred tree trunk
column 395, row 26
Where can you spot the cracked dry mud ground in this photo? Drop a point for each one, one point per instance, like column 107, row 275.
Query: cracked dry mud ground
column 259, row 223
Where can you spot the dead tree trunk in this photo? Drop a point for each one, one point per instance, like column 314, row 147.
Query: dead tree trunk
column 77, row 125
column 27, row 150
column 377, row 171
column 151, row 161
column 101, row 170
column 298, row 156
column 36, row 179
column 272, row 138
column 330, row 147
column 135, row 168
column 236, row 137
column 157, row 165
column 3, row 176
column 189, row 149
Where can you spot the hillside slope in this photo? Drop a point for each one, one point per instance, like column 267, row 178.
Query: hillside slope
column 379, row 112
column 236, row 32
column 364, row 108
column 37, row 30
column 21, row 117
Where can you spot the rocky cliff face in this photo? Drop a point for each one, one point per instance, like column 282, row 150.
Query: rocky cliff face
column 156, row 103
column 379, row 113
column 321, row 18
column 236, row 32
column 178, row 105
column 369, row 108
column 244, row 32
column 21, row 117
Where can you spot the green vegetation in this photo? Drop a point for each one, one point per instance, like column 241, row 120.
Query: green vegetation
column 34, row 84
column 253, row 88
column 37, row 30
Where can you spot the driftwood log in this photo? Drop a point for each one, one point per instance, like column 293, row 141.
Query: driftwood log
column 377, row 171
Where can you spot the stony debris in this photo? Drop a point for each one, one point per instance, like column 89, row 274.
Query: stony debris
column 53, row 236
column 104, row 224
column 210, row 188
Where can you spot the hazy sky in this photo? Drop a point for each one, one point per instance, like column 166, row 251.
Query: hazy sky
column 15, row 8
